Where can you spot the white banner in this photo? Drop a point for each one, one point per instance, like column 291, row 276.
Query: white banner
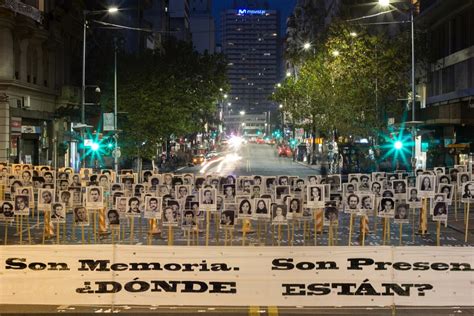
column 237, row 276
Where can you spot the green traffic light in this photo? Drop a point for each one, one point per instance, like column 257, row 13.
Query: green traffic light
column 95, row 146
column 398, row 145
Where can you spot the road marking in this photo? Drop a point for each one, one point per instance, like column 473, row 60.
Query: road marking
column 254, row 311
column 272, row 310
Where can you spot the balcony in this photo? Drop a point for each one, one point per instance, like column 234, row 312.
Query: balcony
column 24, row 9
column 446, row 114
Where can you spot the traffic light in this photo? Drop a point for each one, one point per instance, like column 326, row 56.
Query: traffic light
column 293, row 142
column 398, row 145
column 95, row 146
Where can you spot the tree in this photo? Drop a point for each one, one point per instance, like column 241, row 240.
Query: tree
column 173, row 92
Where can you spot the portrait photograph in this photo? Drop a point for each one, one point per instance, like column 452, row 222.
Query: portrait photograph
column 315, row 195
column 229, row 192
column 352, row 203
column 207, row 199
column 170, row 216
column 294, row 205
column 467, row 193
column 400, row 189
column 134, row 208
column 244, row 207
column 152, row 207
column 331, row 215
column 402, row 211
column 447, row 189
column 367, row 202
column 281, row 190
column 76, row 196
column 7, row 211
column 426, row 185
column 227, row 219
column 113, row 217
column 94, row 197
column 188, row 219
column 182, row 191
column 413, row 198
column 386, row 207
column 45, row 199
column 348, row 188
column 262, row 208
column 81, row 216
column 440, row 211
column 463, row 177
column 58, row 213
column 65, row 198
column 22, row 202
column 279, row 212
column 121, row 204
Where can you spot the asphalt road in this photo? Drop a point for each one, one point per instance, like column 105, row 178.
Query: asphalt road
column 253, row 159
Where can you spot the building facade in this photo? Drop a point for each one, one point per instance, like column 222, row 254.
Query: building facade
column 446, row 84
column 251, row 42
column 202, row 26
column 180, row 27
column 40, row 47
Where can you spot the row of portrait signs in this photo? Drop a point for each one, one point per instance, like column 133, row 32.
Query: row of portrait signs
column 236, row 276
column 183, row 200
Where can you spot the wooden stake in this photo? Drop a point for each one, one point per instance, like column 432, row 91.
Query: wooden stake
column 132, row 224
column 279, row 234
column 6, row 233
column 438, row 232
column 413, row 225
column 57, row 233
column 401, row 232
column 455, row 203
column 170, row 236
column 29, row 232
column 467, row 221
column 330, row 234
column 21, row 229
column 208, row 223
column 351, row 222
column 82, row 234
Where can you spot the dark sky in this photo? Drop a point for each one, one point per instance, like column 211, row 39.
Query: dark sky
column 285, row 7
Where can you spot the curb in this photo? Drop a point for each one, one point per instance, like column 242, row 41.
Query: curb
column 308, row 166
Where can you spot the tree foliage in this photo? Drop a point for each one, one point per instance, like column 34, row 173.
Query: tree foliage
column 350, row 83
column 164, row 93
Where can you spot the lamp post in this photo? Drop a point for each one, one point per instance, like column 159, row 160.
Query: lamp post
column 87, row 13
column 413, row 123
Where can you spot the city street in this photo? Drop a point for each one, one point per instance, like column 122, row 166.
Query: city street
column 253, row 159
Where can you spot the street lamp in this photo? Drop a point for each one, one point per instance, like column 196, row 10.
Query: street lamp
column 413, row 123
column 87, row 13
column 336, row 53
column 288, row 74
column 306, row 45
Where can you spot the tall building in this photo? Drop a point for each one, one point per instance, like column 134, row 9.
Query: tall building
column 40, row 71
column 446, row 85
column 202, row 26
column 179, row 11
column 250, row 40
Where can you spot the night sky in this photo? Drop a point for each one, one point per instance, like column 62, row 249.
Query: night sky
column 285, row 8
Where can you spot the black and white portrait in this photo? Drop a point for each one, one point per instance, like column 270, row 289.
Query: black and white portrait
column 152, row 207
column 188, row 219
column 279, row 212
column 94, row 197
column 45, row 199
column 170, row 216
column 81, row 216
column 22, row 202
column 113, row 217
column 244, row 206
column 387, row 207
column 315, row 195
column 58, row 212
column 401, row 213
column 133, row 206
column 262, row 208
column 440, row 211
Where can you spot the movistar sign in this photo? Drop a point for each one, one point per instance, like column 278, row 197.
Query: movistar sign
column 251, row 12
